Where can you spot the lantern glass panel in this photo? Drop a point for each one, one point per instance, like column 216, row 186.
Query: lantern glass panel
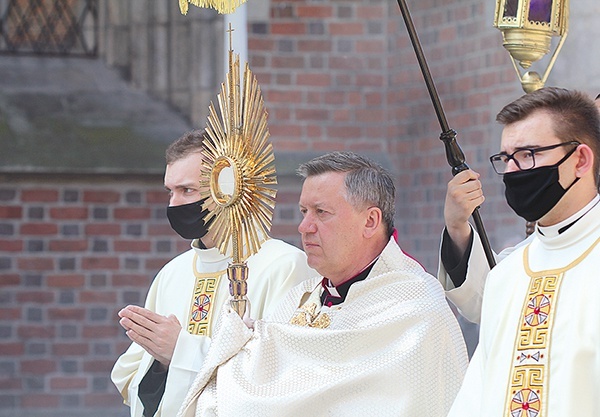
column 510, row 8
column 540, row 10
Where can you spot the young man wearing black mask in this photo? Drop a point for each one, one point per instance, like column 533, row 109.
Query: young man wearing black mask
column 171, row 334
column 463, row 266
column 538, row 346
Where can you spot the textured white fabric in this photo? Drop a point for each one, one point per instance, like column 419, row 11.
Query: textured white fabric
column 393, row 348
column 574, row 362
column 273, row 271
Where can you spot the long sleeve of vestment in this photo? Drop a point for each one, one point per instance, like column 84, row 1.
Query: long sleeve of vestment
column 467, row 297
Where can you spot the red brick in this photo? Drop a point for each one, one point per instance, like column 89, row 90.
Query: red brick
column 328, row 146
column 99, row 229
column 11, row 212
column 132, row 246
column 370, row 146
column 157, row 197
column 30, row 331
column 68, row 383
column 70, row 349
column 293, row 62
column 313, row 131
column 12, row 313
column 162, row 229
column 38, row 297
column 346, row 132
column 314, row 80
column 314, row 11
column 78, row 245
column 65, row 280
column 10, row 280
column 370, row 115
column 346, row 29
column 11, row 246
column 261, row 44
column 101, row 196
column 132, row 213
column 71, row 313
column 62, row 213
column 100, row 332
column 370, row 12
column 7, row 384
column 38, row 366
column 12, row 349
column 39, row 400
column 372, row 80
column 312, row 114
column 288, row 28
column 131, row 280
column 35, row 264
column 314, row 45
column 282, row 96
column 346, row 63
column 39, row 195
column 284, row 230
column 96, row 296
column 100, row 263
column 291, row 145
column 285, row 131
column 38, row 229
column 370, row 46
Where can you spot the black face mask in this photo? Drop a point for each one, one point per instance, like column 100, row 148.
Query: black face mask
column 532, row 194
column 188, row 220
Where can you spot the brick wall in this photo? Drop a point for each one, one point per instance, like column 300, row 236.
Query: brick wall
column 342, row 75
column 72, row 253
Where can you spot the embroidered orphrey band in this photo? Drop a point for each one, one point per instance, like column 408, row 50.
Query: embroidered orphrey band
column 201, row 310
column 528, row 389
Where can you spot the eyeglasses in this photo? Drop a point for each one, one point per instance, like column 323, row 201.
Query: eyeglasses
column 525, row 158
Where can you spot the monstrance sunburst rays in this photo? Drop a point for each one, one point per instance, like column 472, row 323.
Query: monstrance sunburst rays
column 221, row 6
column 238, row 167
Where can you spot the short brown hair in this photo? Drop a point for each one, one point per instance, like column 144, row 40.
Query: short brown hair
column 575, row 117
column 189, row 143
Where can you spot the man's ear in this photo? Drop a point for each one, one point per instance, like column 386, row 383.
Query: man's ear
column 373, row 220
column 585, row 163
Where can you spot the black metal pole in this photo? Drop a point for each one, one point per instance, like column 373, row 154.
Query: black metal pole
column 454, row 153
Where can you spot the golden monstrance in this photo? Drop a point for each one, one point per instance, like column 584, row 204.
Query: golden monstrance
column 237, row 170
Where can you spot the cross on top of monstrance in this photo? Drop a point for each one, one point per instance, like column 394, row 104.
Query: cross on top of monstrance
column 238, row 167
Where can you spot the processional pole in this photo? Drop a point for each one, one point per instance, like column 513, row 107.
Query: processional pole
column 454, row 153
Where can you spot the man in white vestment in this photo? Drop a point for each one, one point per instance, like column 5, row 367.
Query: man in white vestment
column 539, row 345
column 373, row 336
column 172, row 332
column 463, row 266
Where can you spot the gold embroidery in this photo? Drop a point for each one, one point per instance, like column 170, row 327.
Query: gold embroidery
column 200, row 317
column 529, row 376
column 307, row 315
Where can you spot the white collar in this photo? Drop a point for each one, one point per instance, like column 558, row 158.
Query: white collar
column 556, row 229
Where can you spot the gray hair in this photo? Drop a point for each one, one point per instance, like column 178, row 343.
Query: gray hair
column 367, row 183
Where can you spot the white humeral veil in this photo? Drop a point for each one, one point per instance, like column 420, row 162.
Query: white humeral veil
column 392, row 348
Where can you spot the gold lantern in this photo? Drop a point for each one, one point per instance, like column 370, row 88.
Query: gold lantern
column 528, row 27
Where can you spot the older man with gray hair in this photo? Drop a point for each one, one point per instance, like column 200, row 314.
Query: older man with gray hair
column 372, row 336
